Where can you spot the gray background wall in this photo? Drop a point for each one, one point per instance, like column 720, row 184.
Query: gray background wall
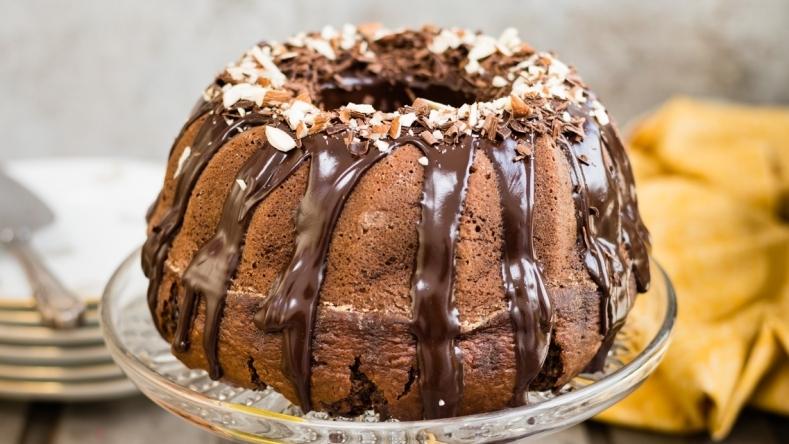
column 119, row 76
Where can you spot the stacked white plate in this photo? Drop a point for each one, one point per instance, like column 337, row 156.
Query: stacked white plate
column 99, row 205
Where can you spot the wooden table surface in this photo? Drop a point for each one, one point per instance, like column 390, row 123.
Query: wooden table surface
column 138, row 421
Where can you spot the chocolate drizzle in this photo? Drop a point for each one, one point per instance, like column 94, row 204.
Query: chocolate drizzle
column 435, row 319
column 635, row 235
column 212, row 267
column 208, row 140
column 615, row 240
column 530, row 308
column 291, row 306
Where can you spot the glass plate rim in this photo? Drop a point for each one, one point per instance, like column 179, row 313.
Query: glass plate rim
column 653, row 351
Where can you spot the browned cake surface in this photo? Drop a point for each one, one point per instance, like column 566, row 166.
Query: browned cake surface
column 363, row 351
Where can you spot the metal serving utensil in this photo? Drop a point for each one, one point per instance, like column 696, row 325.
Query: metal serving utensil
column 21, row 214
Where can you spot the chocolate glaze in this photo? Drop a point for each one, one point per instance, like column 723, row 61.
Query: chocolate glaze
column 213, row 265
column 635, row 234
column 607, row 219
column 157, row 246
column 615, row 240
column 435, row 318
column 530, row 308
column 291, row 306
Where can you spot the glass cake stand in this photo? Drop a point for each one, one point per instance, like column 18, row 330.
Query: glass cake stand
column 266, row 417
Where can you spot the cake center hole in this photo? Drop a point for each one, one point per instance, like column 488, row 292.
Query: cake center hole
column 388, row 97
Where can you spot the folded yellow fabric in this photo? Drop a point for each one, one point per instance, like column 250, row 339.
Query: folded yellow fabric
column 713, row 188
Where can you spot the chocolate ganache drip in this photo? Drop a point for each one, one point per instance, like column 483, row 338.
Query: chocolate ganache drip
column 210, row 137
column 615, row 240
column 212, row 267
column 635, row 237
column 291, row 306
column 435, row 320
column 530, row 308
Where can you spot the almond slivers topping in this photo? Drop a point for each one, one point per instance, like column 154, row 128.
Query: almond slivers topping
column 279, row 139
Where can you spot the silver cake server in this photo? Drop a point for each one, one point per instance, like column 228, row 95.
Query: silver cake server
column 21, row 214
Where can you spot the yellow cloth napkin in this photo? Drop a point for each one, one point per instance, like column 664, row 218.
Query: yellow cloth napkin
column 713, row 188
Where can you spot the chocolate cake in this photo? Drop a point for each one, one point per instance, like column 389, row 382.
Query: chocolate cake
column 428, row 223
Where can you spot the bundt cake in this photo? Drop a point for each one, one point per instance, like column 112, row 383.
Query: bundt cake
column 428, row 223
